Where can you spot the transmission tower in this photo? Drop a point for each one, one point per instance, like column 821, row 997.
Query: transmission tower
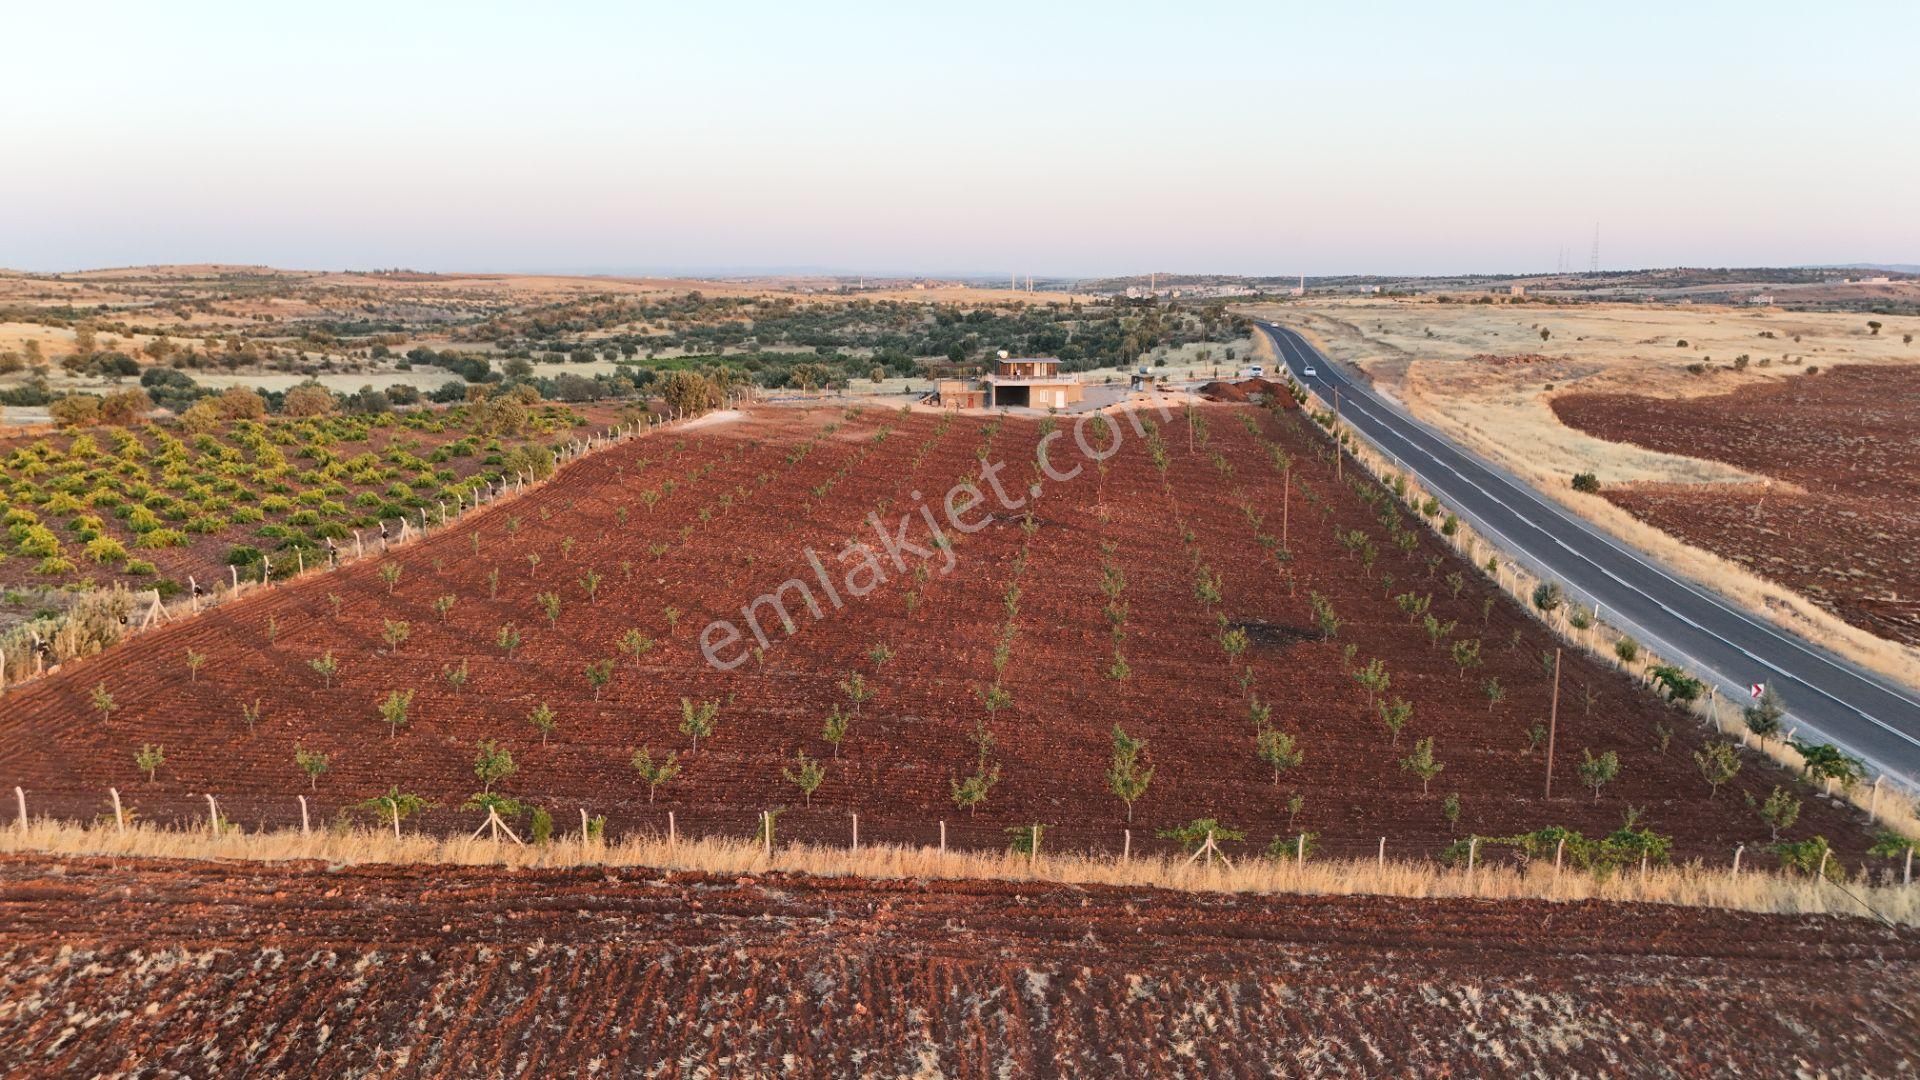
column 1593, row 262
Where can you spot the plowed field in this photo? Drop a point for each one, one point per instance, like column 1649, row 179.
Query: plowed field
column 159, row 968
column 702, row 521
column 1842, row 530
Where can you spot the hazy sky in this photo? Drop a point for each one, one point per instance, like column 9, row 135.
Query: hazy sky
column 1047, row 138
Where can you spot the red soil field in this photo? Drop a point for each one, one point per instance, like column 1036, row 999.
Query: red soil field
column 1847, row 440
column 186, row 968
column 747, row 504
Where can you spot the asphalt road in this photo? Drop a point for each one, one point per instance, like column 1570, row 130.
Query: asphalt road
column 1864, row 714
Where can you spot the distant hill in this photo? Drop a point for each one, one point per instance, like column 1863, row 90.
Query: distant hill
column 1892, row 268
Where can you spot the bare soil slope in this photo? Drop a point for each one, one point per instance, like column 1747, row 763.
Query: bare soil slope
column 302, row 969
column 1841, row 529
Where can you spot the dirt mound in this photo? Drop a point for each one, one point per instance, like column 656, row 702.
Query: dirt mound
column 302, row 969
column 1247, row 390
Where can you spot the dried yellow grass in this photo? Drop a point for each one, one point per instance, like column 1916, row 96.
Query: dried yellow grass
column 1690, row 885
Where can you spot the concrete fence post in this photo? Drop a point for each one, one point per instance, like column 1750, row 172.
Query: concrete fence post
column 1300, row 850
column 305, row 829
column 583, row 834
column 1473, row 850
column 856, row 832
column 1737, row 852
column 766, row 833
column 1907, row 878
column 213, row 815
column 1873, row 807
column 1822, row 872
column 20, row 797
column 943, row 838
column 1559, row 850
column 1126, row 845
column 1382, row 861
column 671, row 835
column 119, row 815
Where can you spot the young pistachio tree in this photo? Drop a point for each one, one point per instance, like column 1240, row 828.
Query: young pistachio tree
column 1597, row 772
column 492, row 763
column 599, row 674
column 654, row 773
column 395, row 806
column 1780, row 811
column 326, row 666
column 148, row 759
column 698, row 721
column 390, row 573
column 806, row 774
column 1395, row 717
column 543, row 720
column 508, row 639
column 1719, row 763
column 1422, row 764
column 195, row 661
column 393, row 709
column 311, row 762
column 635, row 644
column 1277, row 749
column 1127, row 775
column 102, row 701
column 550, row 604
column 834, row 731
column 857, row 691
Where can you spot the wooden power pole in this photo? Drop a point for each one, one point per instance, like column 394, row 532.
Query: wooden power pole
column 1553, row 721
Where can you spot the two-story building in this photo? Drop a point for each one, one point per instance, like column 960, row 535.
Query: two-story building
column 1034, row 382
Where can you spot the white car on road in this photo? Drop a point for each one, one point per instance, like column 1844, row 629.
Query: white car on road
column 1309, row 371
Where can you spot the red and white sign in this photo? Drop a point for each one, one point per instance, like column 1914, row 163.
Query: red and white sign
column 1756, row 690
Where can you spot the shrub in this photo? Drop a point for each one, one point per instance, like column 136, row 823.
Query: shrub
column 1627, row 649
column 148, row 759
column 698, row 721
column 1763, row 716
column 1719, row 763
column 1597, row 772
column 1547, row 596
column 1127, row 776
column 1421, row 763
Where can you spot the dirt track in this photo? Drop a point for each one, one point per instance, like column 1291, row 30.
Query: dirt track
column 1848, row 443
column 200, row 969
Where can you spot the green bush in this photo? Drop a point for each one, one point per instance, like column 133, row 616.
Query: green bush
column 1586, row 482
column 162, row 538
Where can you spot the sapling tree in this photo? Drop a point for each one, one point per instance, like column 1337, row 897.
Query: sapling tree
column 879, row 655
column 533, row 563
column 393, row 709
column 1422, row 764
column 855, row 687
column 148, row 759
column 1536, row 735
column 250, row 713
column 395, row 633
column 1763, row 716
column 1827, row 761
column 698, row 721
column 543, row 720
column 1194, row 834
column 390, row 573
column 1296, row 802
column 1627, row 649
column 1374, row 678
column 1779, row 811
column 550, row 604
column 635, row 644
column 654, row 773
column 834, row 731
column 1127, row 775
column 1395, row 717
column 1450, row 809
column 1597, row 772
column 1466, row 655
column 311, row 762
column 970, row 792
column 508, row 639
column 333, row 599
column 443, row 604
column 590, row 584
column 102, row 701
column 599, row 674
column 1494, row 691
column 1718, row 763
column 805, row 774
column 492, row 763
column 326, row 666
column 456, row 676
column 1277, row 749
column 195, row 661
column 672, row 615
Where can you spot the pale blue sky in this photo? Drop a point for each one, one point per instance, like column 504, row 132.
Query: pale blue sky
column 1051, row 138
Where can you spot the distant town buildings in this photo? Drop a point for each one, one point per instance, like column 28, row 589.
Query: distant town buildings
column 1516, row 290
column 1762, row 300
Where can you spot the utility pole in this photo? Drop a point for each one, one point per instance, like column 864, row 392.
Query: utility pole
column 1339, row 456
column 1286, row 503
column 1553, row 721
